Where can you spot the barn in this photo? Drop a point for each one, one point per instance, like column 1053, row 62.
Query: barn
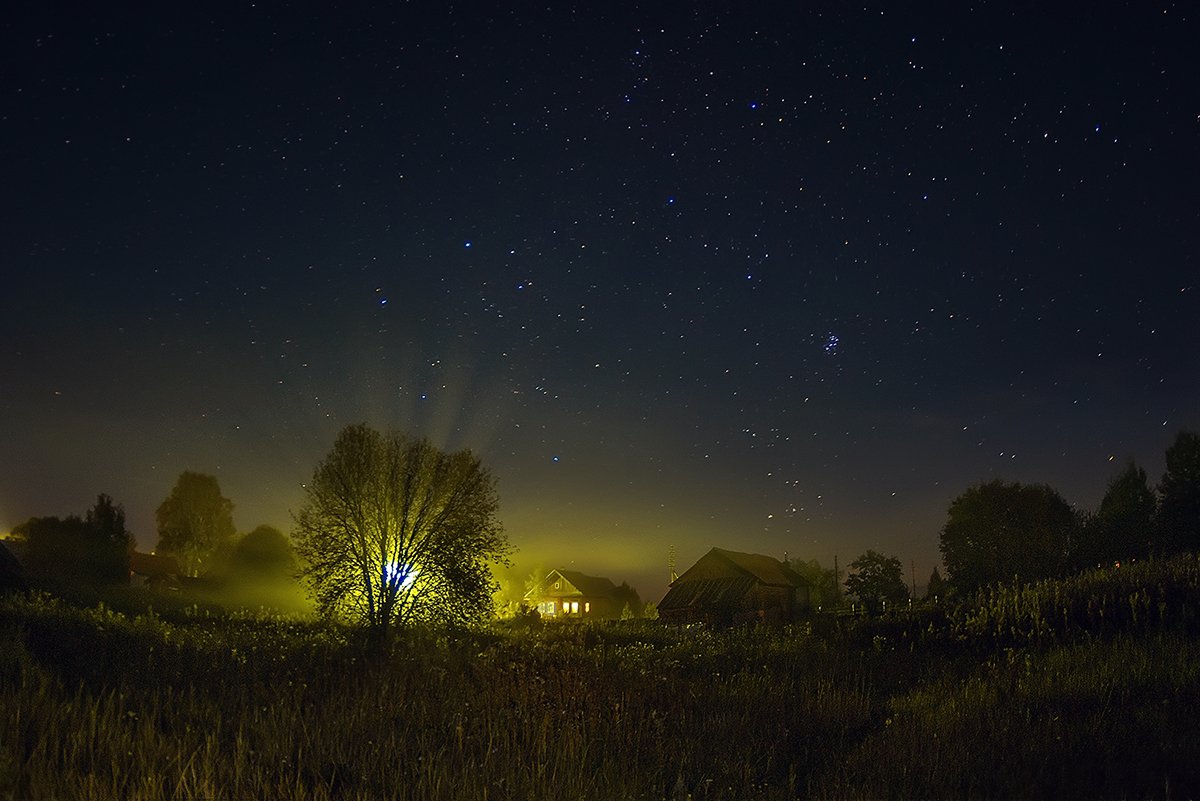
column 730, row 587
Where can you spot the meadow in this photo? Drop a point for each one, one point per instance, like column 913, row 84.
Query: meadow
column 1081, row 688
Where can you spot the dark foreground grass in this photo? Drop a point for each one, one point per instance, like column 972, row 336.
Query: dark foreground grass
column 1110, row 719
column 101, row 705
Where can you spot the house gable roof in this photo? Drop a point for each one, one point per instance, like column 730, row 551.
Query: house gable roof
column 590, row 586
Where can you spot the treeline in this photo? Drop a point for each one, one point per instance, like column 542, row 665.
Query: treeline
column 196, row 541
column 89, row 550
column 1000, row 532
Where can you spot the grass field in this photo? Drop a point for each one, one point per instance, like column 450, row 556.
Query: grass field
column 1084, row 688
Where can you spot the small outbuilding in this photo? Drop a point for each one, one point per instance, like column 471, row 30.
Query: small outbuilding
column 154, row 571
column 729, row 587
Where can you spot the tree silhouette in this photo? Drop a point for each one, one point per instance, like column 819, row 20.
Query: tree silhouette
column 825, row 592
column 264, row 552
column 394, row 530
column 628, row 600
column 70, row 550
column 194, row 521
column 1123, row 526
column 110, row 543
column 936, row 591
column 999, row 531
column 1179, row 512
column 876, row 580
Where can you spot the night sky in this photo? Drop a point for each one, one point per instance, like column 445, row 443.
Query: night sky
column 770, row 277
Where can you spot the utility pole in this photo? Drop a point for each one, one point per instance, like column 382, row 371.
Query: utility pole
column 912, row 566
column 837, row 580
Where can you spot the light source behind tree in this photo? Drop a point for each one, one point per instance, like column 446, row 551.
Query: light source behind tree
column 394, row 530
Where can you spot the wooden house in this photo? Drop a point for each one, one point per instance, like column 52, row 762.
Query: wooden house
column 727, row 587
column 566, row 594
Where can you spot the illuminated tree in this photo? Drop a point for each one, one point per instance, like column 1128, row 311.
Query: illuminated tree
column 393, row 530
column 194, row 521
column 876, row 579
column 1179, row 514
column 999, row 531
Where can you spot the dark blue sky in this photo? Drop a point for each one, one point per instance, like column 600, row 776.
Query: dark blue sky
column 788, row 277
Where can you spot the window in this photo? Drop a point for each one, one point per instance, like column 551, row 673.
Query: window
column 575, row 607
column 558, row 585
column 587, row 606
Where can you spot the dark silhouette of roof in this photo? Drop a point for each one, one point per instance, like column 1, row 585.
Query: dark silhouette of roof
column 153, row 565
column 763, row 569
column 722, row 577
column 706, row 592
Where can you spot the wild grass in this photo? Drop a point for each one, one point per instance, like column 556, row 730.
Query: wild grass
column 1092, row 720
column 100, row 704
column 1149, row 596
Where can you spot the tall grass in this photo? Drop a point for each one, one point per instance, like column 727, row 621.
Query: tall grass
column 1149, row 596
column 1091, row 720
column 101, row 705
column 1011, row 697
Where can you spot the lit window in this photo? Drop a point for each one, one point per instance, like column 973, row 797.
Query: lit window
column 587, row 606
column 558, row 585
column 575, row 607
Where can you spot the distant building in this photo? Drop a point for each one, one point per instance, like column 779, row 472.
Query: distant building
column 571, row 594
column 726, row 587
column 153, row 571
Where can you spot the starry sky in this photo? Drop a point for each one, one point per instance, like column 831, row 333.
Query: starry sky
column 777, row 277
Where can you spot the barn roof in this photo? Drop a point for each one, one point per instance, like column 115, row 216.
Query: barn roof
column 765, row 569
column 706, row 592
